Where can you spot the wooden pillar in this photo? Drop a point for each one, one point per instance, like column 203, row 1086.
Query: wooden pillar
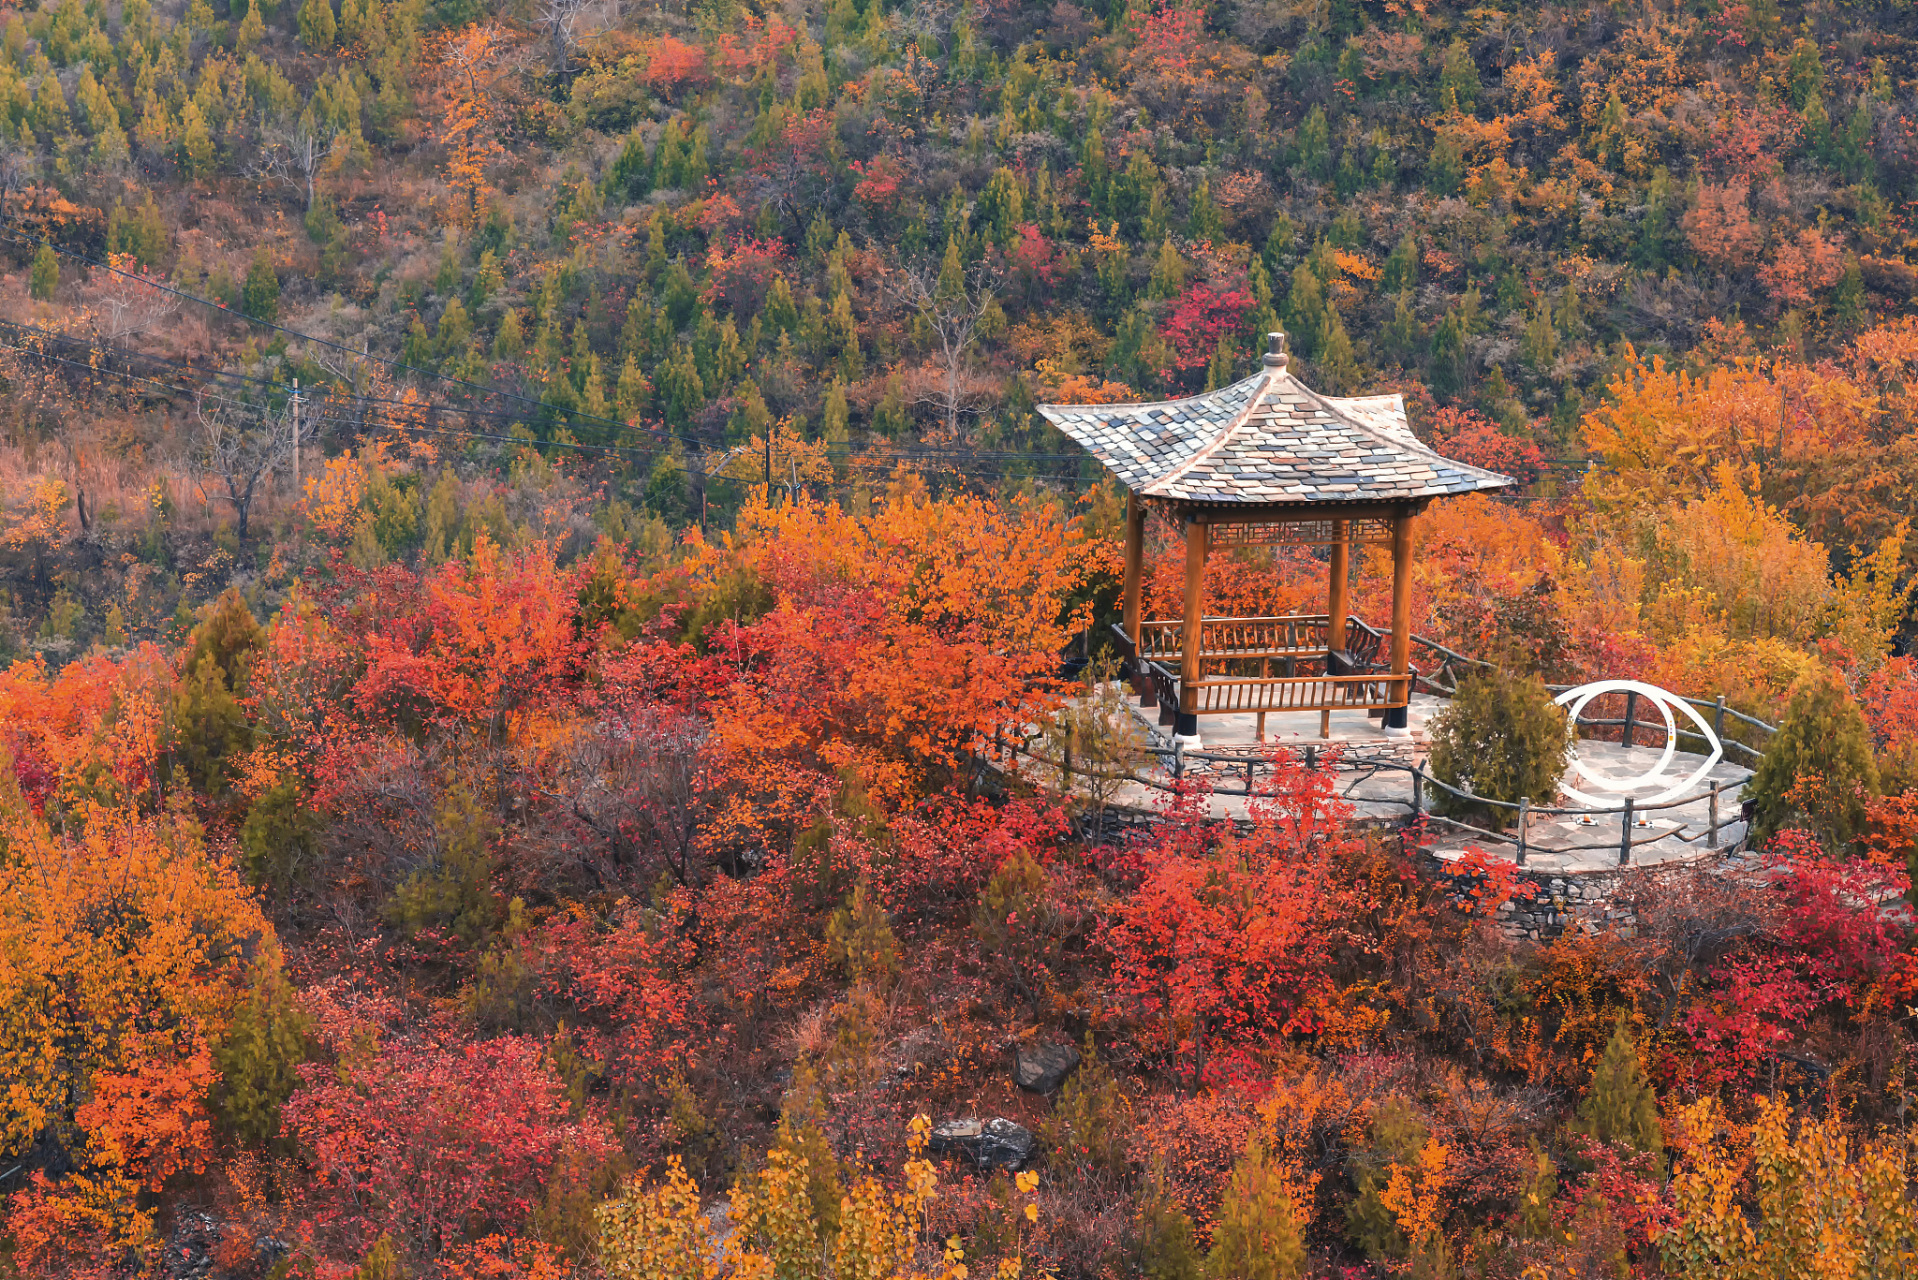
column 1338, row 591
column 1197, row 536
column 1338, row 587
column 1398, row 718
column 1134, row 565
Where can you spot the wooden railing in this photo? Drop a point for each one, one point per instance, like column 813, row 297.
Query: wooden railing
column 1297, row 644
column 1300, row 693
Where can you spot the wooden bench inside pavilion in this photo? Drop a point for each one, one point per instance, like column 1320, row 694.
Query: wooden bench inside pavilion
column 1268, row 462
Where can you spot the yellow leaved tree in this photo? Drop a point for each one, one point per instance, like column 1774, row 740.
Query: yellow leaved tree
column 659, row 1232
column 1816, row 1204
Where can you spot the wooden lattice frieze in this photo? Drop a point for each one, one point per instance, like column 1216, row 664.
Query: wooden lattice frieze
column 1308, row 533
column 1283, row 637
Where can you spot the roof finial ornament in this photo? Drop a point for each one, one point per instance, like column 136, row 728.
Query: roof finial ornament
column 1275, row 357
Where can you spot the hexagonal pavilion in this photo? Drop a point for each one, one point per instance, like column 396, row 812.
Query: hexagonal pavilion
column 1269, row 462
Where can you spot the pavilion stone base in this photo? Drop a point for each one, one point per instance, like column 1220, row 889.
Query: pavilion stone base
column 1411, row 748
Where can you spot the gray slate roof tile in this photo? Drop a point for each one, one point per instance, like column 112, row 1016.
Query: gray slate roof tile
column 1267, row 439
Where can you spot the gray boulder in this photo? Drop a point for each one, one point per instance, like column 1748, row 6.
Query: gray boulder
column 990, row 1144
column 1043, row 1068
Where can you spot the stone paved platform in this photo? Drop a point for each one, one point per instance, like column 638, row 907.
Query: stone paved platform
column 1381, row 793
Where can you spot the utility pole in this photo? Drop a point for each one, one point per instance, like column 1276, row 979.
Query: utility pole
column 299, row 541
column 296, row 439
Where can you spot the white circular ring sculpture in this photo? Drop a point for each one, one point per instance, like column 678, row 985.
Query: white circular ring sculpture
column 1575, row 700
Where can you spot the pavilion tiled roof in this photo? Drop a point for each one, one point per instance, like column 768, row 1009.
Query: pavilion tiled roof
column 1268, row 440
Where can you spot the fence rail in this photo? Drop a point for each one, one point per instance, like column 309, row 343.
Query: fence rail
column 1006, row 749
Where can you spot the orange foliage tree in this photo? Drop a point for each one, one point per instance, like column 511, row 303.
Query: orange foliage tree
column 467, row 100
column 886, row 645
column 123, row 951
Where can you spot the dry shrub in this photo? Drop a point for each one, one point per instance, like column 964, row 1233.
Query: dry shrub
column 1582, row 986
column 1688, row 917
column 1084, row 1230
column 1485, row 1128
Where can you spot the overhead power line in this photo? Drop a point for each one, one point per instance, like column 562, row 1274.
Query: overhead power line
column 26, row 237
column 974, row 468
column 882, row 455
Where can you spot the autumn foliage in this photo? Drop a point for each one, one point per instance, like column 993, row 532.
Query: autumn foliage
column 567, row 799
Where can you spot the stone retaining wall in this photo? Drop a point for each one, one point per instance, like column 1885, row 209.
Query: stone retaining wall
column 1588, row 900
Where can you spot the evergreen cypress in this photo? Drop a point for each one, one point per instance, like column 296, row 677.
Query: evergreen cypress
column 1818, row 768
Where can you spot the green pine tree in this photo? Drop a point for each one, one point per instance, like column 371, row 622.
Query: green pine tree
column 1257, row 1235
column 1403, row 336
column 195, row 141
column 1499, row 738
column 252, row 30
column 1305, row 310
column 802, row 1133
column 952, row 273
column 889, row 415
column 681, row 387
column 1401, row 269
column 1445, row 171
column 1315, row 143
column 1848, row 299
column 1279, row 243
column 1203, row 221
column 1166, row 1248
column 45, row 275
column 317, row 26
column 260, row 1053
column 1397, row 1132
column 454, row 889
column 1539, row 345
column 1168, row 272
column 859, row 938
column 629, row 395
column 260, row 297
column 382, row 1262
column 1446, row 365
column 1535, row 1195
column 1621, row 1106
column 280, row 835
column 1337, row 362
column 1459, row 77
column 1218, row 373
column 510, row 342
column 781, row 311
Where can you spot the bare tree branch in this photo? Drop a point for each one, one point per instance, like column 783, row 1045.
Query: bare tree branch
column 238, row 443
column 952, row 309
